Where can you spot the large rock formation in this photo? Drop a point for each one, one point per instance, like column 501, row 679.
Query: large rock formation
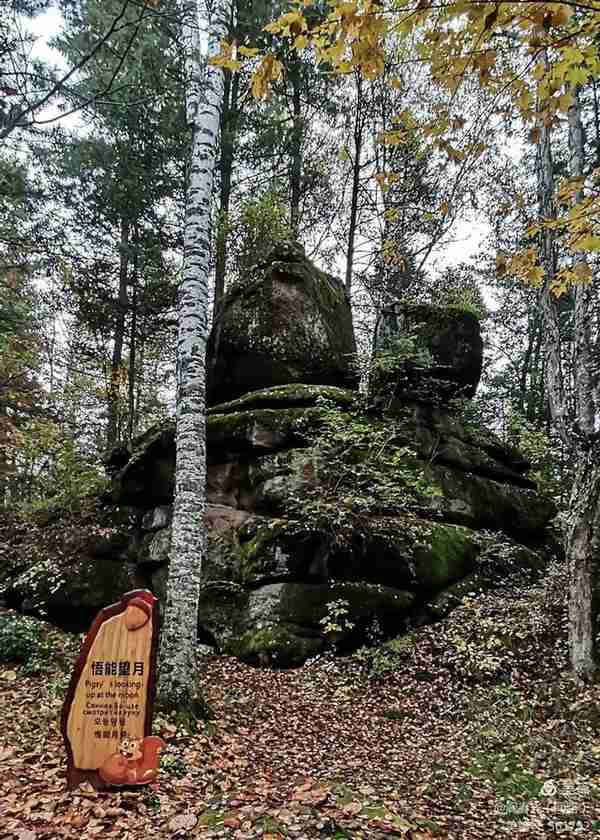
column 288, row 322
column 289, row 536
column 331, row 518
column 427, row 352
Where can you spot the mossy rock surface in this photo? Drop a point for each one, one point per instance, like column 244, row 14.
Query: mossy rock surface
column 222, row 612
column 285, row 619
column 401, row 552
column 147, row 479
column 500, row 560
column 305, row 604
column 406, row 552
column 274, row 645
column 426, row 352
column 71, row 597
column 485, row 503
column 289, row 322
column 259, row 430
column 144, row 473
column 314, row 499
column 281, row 623
column 448, row 553
column 257, row 551
column 296, row 394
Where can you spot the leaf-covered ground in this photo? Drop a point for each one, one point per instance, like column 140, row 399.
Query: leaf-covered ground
column 471, row 728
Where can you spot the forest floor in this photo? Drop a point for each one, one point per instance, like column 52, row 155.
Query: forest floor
column 471, row 728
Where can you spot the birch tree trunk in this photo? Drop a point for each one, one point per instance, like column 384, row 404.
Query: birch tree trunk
column 583, row 537
column 177, row 686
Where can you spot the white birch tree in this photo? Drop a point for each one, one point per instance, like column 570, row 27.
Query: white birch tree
column 177, row 686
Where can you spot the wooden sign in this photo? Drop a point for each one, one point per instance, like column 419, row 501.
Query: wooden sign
column 107, row 716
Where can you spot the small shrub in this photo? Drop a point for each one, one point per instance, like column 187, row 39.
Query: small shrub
column 394, row 714
column 335, row 622
column 22, row 641
column 173, row 765
column 377, row 663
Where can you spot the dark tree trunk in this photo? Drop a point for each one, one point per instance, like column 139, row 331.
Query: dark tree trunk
column 228, row 128
column 583, row 538
column 356, row 166
column 132, row 420
column 228, row 136
column 296, row 149
column 114, row 410
column 596, row 120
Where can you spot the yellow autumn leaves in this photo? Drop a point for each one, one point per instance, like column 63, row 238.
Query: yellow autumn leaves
column 457, row 40
column 351, row 36
column 576, row 224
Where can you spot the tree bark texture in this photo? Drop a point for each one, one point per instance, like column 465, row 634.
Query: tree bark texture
column 177, row 687
column 228, row 136
column 229, row 116
column 131, row 418
column 296, row 148
column 359, row 122
column 550, row 312
column 113, row 431
column 583, row 537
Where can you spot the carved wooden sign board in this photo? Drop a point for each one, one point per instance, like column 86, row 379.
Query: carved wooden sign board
column 107, row 716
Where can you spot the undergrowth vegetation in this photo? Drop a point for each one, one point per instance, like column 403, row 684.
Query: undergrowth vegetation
column 356, row 466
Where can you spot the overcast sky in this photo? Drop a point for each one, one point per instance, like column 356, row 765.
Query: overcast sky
column 467, row 237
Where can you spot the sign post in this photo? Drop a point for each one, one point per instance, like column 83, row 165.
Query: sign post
column 106, row 719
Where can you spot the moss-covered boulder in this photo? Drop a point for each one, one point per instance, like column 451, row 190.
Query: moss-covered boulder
column 498, row 561
column 143, row 474
column 403, row 552
column 427, row 353
column 294, row 395
column 271, row 423
column 287, row 323
column 485, row 503
column 282, row 624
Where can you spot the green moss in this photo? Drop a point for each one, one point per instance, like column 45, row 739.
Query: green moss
column 211, row 818
column 222, row 611
column 267, row 427
column 451, row 597
column 402, row 644
column 282, row 395
column 270, row 825
column 187, row 714
column 328, row 292
column 257, row 556
column 449, row 554
column 251, row 305
column 307, row 604
column 249, row 560
column 272, row 645
column 506, row 773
